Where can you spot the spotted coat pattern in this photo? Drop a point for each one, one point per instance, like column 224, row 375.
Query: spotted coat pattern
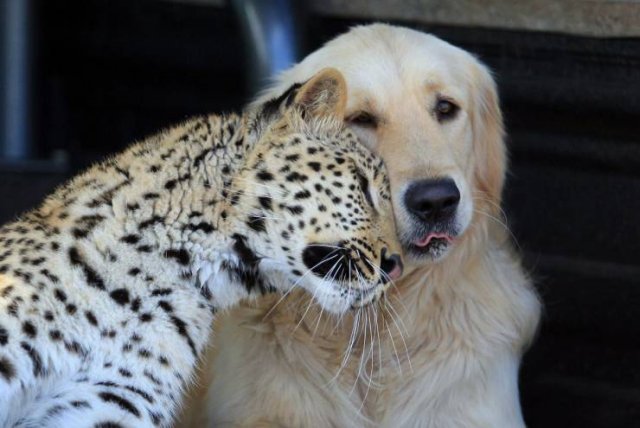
column 109, row 288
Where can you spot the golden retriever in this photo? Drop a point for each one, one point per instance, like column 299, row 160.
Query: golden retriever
column 444, row 348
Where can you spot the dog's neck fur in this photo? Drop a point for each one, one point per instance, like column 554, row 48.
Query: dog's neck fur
column 419, row 300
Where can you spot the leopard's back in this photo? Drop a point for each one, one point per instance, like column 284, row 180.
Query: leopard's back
column 111, row 286
column 92, row 315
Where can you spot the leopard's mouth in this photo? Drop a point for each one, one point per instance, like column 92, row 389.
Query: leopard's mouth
column 336, row 263
column 364, row 297
column 343, row 264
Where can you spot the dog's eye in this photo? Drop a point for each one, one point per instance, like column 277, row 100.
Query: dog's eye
column 445, row 110
column 363, row 119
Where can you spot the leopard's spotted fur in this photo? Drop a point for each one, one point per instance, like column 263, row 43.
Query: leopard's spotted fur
column 108, row 290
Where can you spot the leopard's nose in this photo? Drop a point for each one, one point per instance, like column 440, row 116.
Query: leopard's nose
column 391, row 266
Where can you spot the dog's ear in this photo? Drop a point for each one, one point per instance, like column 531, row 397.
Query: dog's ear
column 325, row 94
column 490, row 151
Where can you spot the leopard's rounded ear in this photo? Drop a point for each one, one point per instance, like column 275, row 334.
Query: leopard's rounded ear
column 325, row 94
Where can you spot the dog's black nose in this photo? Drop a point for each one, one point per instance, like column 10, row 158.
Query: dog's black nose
column 433, row 200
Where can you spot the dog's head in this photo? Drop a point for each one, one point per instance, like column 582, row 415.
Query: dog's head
column 431, row 111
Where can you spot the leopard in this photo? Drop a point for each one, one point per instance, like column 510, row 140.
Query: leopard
column 108, row 290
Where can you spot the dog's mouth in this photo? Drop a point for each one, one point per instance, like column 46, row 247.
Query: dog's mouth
column 431, row 244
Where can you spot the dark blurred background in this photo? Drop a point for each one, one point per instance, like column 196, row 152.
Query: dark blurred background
column 98, row 74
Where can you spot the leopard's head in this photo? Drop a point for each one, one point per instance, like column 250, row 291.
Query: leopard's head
column 315, row 203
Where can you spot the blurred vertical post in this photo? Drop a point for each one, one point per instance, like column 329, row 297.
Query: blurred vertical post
column 15, row 79
column 272, row 36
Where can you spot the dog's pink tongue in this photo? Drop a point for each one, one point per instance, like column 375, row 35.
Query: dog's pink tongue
column 424, row 241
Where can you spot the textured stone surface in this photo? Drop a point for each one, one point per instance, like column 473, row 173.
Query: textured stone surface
column 596, row 18
column 600, row 18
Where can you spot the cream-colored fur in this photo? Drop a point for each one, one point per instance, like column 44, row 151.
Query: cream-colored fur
column 444, row 350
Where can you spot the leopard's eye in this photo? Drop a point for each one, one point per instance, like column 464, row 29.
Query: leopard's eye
column 445, row 110
column 364, row 187
column 363, row 119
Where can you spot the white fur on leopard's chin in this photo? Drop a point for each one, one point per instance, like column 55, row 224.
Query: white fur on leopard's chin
column 325, row 293
column 332, row 302
column 328, row 296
